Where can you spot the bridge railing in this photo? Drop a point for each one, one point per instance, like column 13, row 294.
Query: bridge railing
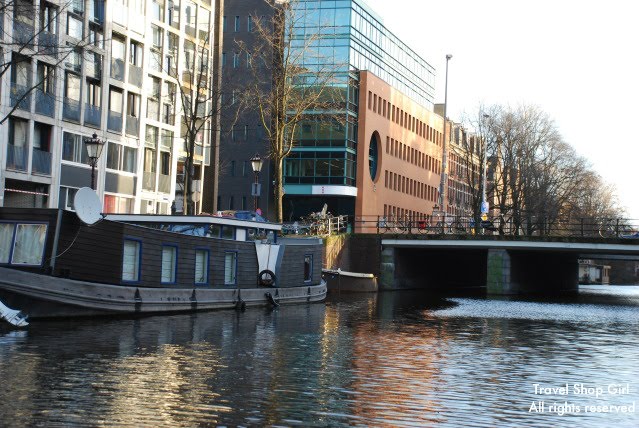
column 444, row 224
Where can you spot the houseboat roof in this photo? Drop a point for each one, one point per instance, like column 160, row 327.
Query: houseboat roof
column 192, row 219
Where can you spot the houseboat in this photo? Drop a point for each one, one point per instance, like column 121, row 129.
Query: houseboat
column 55, row 264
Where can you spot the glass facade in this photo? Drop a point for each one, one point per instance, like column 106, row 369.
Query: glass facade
column 342, row 37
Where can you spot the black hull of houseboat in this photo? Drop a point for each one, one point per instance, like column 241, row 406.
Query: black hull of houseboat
column 64, row 268
column 44, row 297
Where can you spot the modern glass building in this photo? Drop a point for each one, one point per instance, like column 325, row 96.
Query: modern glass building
column 345, row 36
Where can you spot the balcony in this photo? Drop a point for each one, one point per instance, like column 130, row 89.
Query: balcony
column 71, row 109
column 44, row 103
column 20, row 95
column 164, row 184
column 117, row 69
column 135, row 75
column 148, row 181
column 92, row 115
column 132, row 125
column 16, row 157
column 41, row 162
column 23, row 34
column 114, row 121
column 48, row 43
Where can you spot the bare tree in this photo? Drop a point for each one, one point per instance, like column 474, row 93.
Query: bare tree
column 538, row 180
column 285, row 89
column 199, row 99
column 35, row 35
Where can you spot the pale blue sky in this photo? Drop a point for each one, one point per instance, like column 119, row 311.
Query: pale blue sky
column 576, row 60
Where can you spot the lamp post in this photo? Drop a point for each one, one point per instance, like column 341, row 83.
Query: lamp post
column 256, row 165
column 442, row 184
column 94, row 149
column 483, row 168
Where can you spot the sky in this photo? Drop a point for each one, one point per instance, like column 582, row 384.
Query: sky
column 576, row 60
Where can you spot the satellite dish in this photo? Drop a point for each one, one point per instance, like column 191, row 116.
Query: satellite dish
column 87, row 205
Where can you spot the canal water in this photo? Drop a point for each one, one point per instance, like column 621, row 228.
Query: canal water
column 393, row 359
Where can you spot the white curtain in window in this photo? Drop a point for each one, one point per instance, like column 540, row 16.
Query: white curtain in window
column 29, row 244
column 6, row 238
column 131, row 261
column 201, row 266
column 168, row 264
column 229, row 269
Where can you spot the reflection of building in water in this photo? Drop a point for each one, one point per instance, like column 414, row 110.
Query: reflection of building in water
column 402, row 390
column 591, row 272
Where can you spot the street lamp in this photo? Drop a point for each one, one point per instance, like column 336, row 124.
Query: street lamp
column 442, row 184
column 483, row 168
column 256, row 165
column 94, row 149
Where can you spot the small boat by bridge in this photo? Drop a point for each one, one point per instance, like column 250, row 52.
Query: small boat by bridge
column 54, row 265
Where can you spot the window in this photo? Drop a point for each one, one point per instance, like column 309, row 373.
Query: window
column 117, row 47
column 131, row 260
column 133, row 104
column 6, row 238
column 157, row 10
column 18, row 129
column 169, row 264
column 47, row 17
column 308, row 267
column 201, row 266
column 249, row 23
column 236, row 27
column 73, row 148
column 93, row 93
column 236, row 60
column 190, row 16
column 115, row 100
column 173, row 16
column 96, row 36
column 230, row 268
column 165, row 163
column 121, row 158
column 74, row 26
column 135, row 52
column 22, row 244
column 117, row 204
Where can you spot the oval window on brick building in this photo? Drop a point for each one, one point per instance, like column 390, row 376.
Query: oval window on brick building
column 373, row 153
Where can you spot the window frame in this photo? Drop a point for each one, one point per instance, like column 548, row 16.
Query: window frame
column 207, row 269
column 310, row 270
column 234, row 267
column 139, row 260
column 175, row 264
column 13, row 243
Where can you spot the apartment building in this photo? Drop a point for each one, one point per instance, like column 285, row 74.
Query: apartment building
column 379, row 152
column 116, row 68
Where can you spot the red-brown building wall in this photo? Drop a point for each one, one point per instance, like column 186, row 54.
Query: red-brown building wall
column 409, row 154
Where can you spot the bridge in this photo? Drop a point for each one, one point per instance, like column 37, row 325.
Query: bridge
column 499, row 263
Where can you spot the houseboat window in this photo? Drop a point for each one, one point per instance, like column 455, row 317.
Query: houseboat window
column 169, row 263
column 201, row 266
column 308, row 267
column 28, row 246
column 214, row 231
column 228, row 232
column 230, row 268
column 6, row 238
column 131, row 260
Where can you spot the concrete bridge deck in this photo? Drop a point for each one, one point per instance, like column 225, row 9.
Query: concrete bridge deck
column 498, row 266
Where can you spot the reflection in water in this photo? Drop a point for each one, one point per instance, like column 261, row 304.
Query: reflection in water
column 394, row 359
